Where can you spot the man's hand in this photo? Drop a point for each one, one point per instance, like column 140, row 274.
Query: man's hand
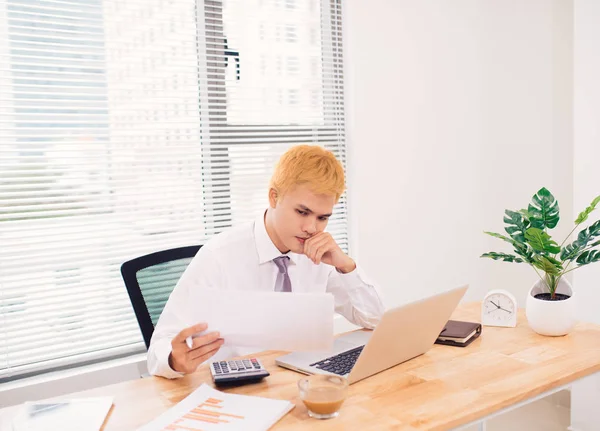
column 323, row 248
column 186, row 360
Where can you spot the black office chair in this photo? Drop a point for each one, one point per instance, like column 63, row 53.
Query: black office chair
column 150, row 280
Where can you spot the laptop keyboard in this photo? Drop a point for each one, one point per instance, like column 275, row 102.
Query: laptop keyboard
column 341, row 363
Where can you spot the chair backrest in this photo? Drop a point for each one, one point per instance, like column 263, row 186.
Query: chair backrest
column 150, row 280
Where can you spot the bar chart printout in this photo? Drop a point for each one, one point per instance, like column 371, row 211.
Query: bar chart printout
column 207, row 409
column 207, row 412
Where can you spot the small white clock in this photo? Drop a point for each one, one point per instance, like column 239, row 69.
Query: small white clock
column 499, row 308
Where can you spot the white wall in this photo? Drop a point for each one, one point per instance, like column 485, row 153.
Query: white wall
column 586, row 106
column 456, row 111
column 587, row 140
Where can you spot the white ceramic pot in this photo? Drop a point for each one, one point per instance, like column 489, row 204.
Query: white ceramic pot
column 552, row 318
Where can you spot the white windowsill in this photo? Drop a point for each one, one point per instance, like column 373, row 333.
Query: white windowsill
column 63, row 382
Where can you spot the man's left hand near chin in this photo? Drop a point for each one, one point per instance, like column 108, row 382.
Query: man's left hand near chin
column 322, row 248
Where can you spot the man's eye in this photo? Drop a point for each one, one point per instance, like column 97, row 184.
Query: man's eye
column 301, row 212
column 323, row 218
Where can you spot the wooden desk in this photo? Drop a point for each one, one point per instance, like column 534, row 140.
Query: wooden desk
column 445, row 388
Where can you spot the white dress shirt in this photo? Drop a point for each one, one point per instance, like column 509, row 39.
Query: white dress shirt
column 241, row 258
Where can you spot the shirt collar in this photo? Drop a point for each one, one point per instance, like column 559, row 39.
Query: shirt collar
column 264, row 246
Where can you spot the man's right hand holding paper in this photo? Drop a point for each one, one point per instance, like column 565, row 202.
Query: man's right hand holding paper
column 184, row 359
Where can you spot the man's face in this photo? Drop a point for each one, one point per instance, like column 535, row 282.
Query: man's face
column 298, row 215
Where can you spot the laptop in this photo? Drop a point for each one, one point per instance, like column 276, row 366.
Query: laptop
column 403, row 333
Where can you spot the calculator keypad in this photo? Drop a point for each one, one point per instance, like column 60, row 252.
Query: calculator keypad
column 237, row 366
column 238, row 370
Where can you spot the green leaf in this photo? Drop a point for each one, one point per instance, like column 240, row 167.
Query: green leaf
column 502, row 237
column 548, row 266
column 526, row 214
column 526, row 254
column 521, row 248
column 517, row 225
column 586, row 235
column 498, row 235
column 543, row 210
column 588, row 256
column 540, row 241
column 502, row 256
column 573, row 250
column 557, row 263
column 570, row 252
column 586, row 212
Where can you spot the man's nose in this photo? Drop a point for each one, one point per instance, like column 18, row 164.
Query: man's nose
column 310, row 227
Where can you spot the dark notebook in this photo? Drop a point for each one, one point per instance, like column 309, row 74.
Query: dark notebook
column 459, row 333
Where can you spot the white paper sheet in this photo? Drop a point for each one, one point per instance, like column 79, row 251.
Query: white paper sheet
column 269, row 320
column 208, row 409
column 82, row 414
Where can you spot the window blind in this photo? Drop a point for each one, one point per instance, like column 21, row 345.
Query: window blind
column 131, row 126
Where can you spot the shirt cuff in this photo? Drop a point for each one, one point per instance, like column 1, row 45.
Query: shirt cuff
column 162, row 352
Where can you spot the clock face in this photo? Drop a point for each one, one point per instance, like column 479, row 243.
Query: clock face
column 498, row 310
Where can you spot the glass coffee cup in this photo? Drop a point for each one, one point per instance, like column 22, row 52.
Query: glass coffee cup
column 323, row 395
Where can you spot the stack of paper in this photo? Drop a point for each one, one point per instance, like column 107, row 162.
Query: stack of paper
column 207, row 409
column 85, row 414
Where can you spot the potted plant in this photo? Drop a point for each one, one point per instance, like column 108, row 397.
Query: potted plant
column 550, row 307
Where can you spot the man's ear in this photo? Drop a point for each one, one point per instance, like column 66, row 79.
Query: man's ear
column 273, row 195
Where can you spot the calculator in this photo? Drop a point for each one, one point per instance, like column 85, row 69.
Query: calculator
column 239, row 371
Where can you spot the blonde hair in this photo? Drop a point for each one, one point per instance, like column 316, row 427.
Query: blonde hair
column 311, row 165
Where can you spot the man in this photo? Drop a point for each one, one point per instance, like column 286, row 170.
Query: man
column 286, row 249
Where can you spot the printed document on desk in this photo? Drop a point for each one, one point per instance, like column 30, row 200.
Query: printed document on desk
column 270, row 320
column 207, row 409
column 82, row 414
